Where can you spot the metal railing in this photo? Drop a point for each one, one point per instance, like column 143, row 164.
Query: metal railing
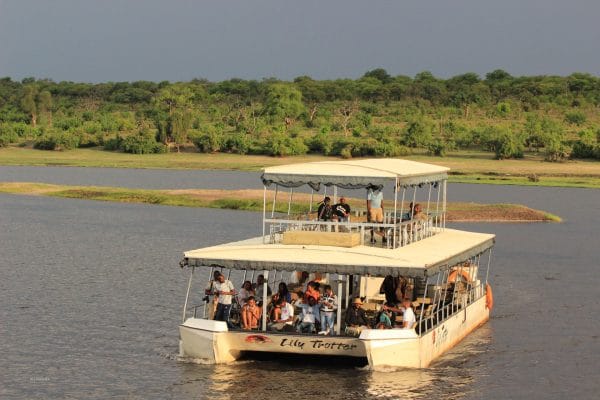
column 397, row 234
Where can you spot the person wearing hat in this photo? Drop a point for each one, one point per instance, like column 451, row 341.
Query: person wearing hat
column 356, row 319
column 325, row 211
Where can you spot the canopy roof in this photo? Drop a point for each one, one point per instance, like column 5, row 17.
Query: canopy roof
column 423, row 258
column 353, row 174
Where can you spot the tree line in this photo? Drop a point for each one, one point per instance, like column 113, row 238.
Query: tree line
column 374, row 115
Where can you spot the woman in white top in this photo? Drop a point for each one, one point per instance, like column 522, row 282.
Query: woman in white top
column 245, row 292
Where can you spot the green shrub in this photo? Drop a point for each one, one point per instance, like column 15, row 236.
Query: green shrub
column 142, row 143
column 279, row 144
column 209, row 142
column 575, row 117
column 57, row 141
column 236, row 143
column 586, row 145
column 507, row 145
column 67, row 123
column 321, row 143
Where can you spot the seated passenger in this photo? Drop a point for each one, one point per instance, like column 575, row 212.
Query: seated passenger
column 312, row 290
column 309, row 316
column 356, row 319
column 245, row 292
column 384, row 320
column 251, row 314
column 258, row 289
column 284, row 292
column 283, row 316
column 418, row 214
column 341, row 210
column 408, row 317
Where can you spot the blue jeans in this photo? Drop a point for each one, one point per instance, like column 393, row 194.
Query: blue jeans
column 306, row 327
column 222, row 313
column 327, row 321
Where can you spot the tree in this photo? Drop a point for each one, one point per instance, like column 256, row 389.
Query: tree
column 172, row 114
column 28, row 103
column 380, row 74
column 283, row 103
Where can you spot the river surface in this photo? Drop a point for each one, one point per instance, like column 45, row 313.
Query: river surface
column 91, row 298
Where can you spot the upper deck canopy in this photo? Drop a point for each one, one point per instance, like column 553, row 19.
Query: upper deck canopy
column 354, row 174
column 422, row 258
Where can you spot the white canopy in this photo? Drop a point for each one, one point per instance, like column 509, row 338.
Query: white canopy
column 422, row 258
column 354, row 173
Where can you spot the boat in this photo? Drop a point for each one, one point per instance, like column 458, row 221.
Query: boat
column 443, row 272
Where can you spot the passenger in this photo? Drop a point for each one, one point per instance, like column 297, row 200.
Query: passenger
column 225, row 290
column 312, row 290
column 408, row 318
column 341, row 210
column 407, row 216
column 328, row 309
column 408, row 315
column 251, row 314
column 283, row 292
column 384, row 320
column 211, row 302
column 418, row 214
column 309, row 316
column 325, row 210
column 283, row 316
column 375, row 211
column 258, row 288
column 356, row 319
column 245, row 292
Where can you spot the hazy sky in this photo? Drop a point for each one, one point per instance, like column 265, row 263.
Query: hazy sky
column 127, row 40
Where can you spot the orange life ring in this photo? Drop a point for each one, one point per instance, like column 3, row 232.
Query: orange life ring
column 489, row 297
column 453, row 275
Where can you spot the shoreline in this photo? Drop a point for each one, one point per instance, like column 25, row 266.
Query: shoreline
column 252, row 200
column 465, row 167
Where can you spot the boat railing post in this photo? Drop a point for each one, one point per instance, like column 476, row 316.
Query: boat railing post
column 487, row 272
column 423, row 309
column 264, row 216
column 264, row 300
column 347, row 291
column 338, row 316
column 437, row 206
column 187, row 295
column 395, row 215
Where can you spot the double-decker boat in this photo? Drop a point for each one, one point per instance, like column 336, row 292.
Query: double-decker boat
column 440, row 269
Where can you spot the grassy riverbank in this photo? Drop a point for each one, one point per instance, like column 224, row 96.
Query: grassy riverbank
column 252, row 200
column 466, row 167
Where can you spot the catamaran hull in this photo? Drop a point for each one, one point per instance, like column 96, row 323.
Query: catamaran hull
column 212, row 342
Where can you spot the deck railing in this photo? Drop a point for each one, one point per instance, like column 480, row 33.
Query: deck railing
column 397, row 234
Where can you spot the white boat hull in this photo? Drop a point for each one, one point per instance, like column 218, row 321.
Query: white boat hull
column 211, row 341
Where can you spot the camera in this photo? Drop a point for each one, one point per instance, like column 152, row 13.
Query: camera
column 205, row 299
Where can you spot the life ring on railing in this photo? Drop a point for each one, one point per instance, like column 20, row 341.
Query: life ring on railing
column 454, row 274
column 489, row 297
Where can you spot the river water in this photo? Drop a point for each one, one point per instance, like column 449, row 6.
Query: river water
column 91, row 298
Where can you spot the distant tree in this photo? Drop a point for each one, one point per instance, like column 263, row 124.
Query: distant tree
column 28, row 103
column 380, row 74
column 172, row 114
column 284, row 103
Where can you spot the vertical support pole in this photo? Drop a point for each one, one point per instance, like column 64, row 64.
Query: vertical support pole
column 338, row 315
column 264, row 301
column 334, row 194
column 444, row 205
column 487, row 272
column 437, row 207
column 274, row 200
column 290, row 202
column 244, row 278
column 395, row 215
column 312, row 193
column 423, row 309
column 187, row 295
column 428, row 227
column 347, row 290
column 264, row 216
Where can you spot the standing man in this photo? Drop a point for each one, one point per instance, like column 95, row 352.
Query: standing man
column 209, row 290
column 375, row 210
column 225, row 290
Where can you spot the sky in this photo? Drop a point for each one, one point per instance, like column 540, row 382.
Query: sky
column 179, row 40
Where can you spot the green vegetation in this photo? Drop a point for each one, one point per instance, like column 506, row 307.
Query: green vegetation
column 377, row 115
column 252, row 200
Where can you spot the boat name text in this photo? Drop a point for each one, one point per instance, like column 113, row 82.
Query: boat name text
column 316, row 344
